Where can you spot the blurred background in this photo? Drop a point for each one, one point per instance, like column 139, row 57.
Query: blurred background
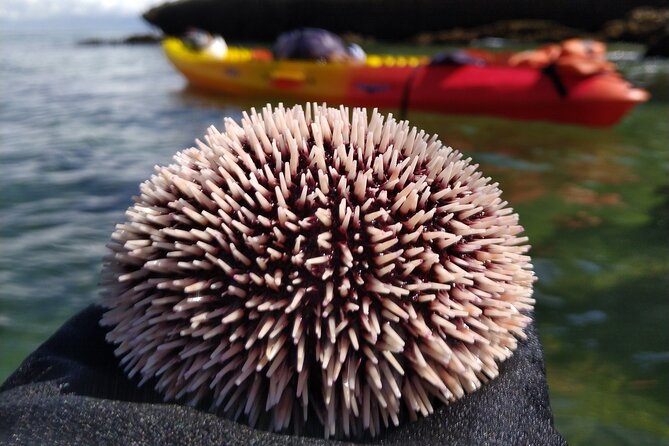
column 89, row 104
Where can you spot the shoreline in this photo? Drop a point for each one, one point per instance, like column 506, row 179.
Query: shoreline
column 642, row 25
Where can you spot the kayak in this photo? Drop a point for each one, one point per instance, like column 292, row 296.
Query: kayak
column 413, row 83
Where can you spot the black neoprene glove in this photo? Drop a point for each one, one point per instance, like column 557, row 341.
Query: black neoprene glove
column 71, row 391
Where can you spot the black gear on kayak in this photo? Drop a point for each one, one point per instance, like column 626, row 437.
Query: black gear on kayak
column 310, row 44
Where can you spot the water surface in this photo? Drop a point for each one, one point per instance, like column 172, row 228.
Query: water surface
column 82, row 126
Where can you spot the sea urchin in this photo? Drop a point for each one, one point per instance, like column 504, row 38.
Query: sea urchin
column 307, row 265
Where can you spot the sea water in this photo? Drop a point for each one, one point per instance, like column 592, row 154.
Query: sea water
column 82, row 126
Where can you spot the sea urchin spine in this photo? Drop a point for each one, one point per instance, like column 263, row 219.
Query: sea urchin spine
column 306, row 264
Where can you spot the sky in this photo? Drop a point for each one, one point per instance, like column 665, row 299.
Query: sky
column 44, row 10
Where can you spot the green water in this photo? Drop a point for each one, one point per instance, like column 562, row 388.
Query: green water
column 81, row 127
column 595, row 205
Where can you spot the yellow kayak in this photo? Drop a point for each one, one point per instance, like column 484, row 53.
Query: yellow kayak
column 411, row 82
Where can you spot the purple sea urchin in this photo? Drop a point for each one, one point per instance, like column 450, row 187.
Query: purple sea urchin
column 306, row 264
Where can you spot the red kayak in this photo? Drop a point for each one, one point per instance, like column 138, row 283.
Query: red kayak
column 524, row 93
